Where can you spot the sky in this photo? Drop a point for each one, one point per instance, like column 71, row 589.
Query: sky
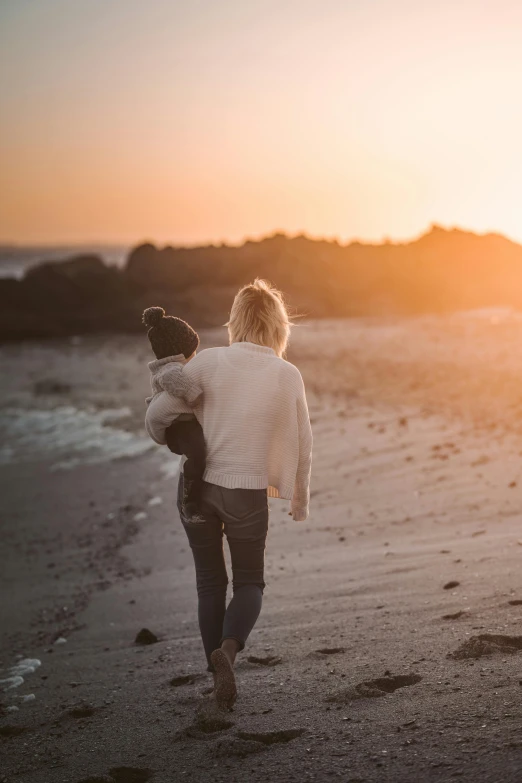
column 216, row 120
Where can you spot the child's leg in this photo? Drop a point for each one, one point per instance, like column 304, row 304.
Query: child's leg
column 172, row 434
column 194, row 466
column 186, row 437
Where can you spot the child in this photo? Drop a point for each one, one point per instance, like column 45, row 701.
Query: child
column 174, row 341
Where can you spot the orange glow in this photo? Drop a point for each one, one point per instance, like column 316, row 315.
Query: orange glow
column 217, row 121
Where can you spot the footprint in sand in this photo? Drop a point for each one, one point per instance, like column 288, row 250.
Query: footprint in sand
column 323, row 652
column 267, row 660
column 207, row 722
column 456, row 615
column 11, row 731
column 97, row 779
column 185, row 679
column 486, row 644
column 237, row 747
column 247, row 742
column 130, row 774
column 330, row 650
column 122, row 775
column 271, row 737
column 81, row 711
column 371, row 689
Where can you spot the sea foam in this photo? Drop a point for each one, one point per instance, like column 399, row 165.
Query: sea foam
column 67, row 436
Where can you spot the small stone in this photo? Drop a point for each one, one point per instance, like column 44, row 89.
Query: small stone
column 146, row 637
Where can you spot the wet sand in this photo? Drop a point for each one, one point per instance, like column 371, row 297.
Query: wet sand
column 417, row 484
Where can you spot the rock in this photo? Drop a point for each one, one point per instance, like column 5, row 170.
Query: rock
column 146, row 637
column 451, row 585
column 67, row 298
column 83, row 295
column 49, row 386
column 141, row 261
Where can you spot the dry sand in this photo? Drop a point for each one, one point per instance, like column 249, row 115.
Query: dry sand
column 417, row 483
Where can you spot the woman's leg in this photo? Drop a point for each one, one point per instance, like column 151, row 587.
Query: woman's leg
column 206, row 541
column 245, row 516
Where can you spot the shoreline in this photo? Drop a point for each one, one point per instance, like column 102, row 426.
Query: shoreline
column 411, row 491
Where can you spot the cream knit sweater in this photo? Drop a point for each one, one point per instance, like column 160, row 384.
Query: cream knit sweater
column 252, row 407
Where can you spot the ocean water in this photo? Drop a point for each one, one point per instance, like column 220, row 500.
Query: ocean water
column 14, row 261
column 67, row 437
column 13, row 678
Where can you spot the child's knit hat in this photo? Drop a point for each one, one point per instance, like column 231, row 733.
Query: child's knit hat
column 169, row 335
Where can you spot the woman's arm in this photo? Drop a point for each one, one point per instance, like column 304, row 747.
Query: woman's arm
column 301, row 497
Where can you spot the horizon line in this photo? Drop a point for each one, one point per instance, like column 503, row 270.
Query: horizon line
column 385, row 240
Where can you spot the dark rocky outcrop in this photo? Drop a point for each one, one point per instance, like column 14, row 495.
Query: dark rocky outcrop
column 443, row 270
column 76, row 296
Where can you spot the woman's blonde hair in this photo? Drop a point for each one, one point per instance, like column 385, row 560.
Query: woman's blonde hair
column 259, row 315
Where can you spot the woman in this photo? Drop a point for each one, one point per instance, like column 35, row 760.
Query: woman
column 251, row 404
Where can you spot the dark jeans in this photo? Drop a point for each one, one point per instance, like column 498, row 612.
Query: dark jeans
column 185, row 436
column 242, row 514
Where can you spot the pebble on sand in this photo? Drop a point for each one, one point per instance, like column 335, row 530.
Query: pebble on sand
column 146, row 637
column 451, row 585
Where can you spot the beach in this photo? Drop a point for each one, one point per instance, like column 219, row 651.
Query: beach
column 389, row 644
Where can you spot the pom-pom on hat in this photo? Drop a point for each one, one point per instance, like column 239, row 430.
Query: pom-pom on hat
column 169, row 335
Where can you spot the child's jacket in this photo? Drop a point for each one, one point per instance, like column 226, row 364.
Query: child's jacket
column 162, row 375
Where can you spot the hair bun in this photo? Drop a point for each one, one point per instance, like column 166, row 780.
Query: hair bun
column 152, row 316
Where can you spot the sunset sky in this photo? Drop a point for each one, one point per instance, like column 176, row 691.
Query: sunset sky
column 211, row 120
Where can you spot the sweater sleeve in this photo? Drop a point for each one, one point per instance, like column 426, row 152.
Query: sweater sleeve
column 301, row 496
column 189, row 383
column 162, row 411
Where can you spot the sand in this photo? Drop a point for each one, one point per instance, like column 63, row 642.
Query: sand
column 367, row 664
